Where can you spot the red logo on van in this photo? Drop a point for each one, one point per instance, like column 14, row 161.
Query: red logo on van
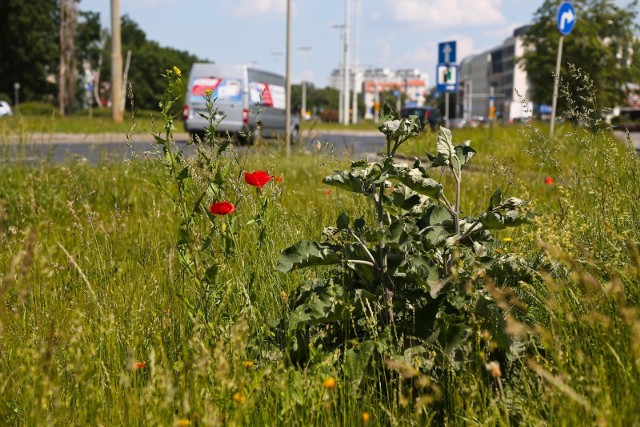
column 200, row 86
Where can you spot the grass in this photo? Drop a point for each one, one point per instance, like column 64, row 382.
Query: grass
column 98, row 323
column 79, row 123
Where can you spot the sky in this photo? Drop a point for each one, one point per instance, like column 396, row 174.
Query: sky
column 394, row 34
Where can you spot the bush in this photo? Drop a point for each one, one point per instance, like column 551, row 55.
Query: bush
column 329, row 116
column 36, row 108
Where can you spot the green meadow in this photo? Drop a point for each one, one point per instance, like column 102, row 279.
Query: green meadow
column 124, row 301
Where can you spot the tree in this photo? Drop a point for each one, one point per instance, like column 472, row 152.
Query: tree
column 29, row 49
column 601, row 44
column 66, row 71
column 149, row 61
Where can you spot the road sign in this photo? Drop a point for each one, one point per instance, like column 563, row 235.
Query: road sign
column 447, row 52
column 566, row 18
column 447, row 78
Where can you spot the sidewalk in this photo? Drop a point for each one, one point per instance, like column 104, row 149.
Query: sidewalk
column 93, row 138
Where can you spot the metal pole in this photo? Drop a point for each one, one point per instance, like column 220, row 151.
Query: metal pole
column 354, row 117
column 446, row 109
column 347, row 71
column 288, row 82
column 16, row 104
column 304, row 50
column 116, row 63
column 556, row 83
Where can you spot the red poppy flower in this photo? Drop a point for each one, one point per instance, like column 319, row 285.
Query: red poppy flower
column 279, row 179
column 222, row 208
column 139, row 365
column 257, row 178
column 548, row 180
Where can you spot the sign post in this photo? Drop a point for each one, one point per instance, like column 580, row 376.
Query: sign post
column 566, row 21
column 447, row 74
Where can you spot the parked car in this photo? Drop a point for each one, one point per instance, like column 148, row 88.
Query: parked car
column 425, row 115
column 250, row 102
column 5, row 109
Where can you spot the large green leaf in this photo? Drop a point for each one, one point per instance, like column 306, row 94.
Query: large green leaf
column 307, row 254
column 421, row 185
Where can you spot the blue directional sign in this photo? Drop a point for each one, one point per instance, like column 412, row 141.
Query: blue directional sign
column 566, row 18
column 447, row 52
column 447, row 78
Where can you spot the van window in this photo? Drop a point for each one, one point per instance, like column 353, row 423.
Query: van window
column 227, row 91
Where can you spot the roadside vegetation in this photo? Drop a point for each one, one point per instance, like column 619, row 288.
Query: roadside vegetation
column 493, row 283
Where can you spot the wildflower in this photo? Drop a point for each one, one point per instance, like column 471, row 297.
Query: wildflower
column 177, row 71
column 327, row 192
column 183, row 422
column 239, row 397
column 494, row 369
column 279, row 179
column 208, row 92
column 257, row 178
column 248, row 364
column 329, row 383
column 507, row 240
column 365, row 417
column 139, row 365
column 548, row 180
column 222, row 208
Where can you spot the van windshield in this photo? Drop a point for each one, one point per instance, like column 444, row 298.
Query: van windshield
column 224, row 91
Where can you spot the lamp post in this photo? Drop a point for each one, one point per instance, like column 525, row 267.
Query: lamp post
column 341, row 86
column 276, row 55
column 345, row 63
column 16, row 99
column 304, row 50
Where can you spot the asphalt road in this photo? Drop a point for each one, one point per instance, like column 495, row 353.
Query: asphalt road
column 113, row 147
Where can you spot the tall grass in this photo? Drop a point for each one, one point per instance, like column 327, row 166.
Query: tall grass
column 98, row 324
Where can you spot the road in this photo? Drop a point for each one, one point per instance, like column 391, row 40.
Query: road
column 95, row 148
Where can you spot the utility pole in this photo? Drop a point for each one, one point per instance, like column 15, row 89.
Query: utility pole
column 288, row 82
column 356, row 70
column 116, row 64
column 347, row 71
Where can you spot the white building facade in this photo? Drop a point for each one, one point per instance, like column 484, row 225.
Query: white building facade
column 495, row 74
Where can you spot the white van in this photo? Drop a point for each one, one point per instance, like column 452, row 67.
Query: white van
column 250, row 102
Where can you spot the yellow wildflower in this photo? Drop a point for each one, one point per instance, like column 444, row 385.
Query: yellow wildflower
column 365, row 417
column 177, row 71
column 507, row 240
column 329, row 383
column 239, row 397
column 248, row 364
column 183, row 422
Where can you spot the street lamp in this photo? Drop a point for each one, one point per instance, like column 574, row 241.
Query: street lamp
column 343, row 106
column 16, row 99
column 276, row 55
column 304, row 49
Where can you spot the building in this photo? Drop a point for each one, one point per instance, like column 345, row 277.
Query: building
column 495, row 76
column 373, row 81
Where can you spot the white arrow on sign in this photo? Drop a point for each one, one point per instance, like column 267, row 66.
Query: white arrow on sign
column 447, row 52
column 567, row 18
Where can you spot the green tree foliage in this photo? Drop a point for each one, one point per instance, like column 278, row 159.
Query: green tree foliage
column 601, row 44
column 149, row 61
column 320, row 99
column 29, row 49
